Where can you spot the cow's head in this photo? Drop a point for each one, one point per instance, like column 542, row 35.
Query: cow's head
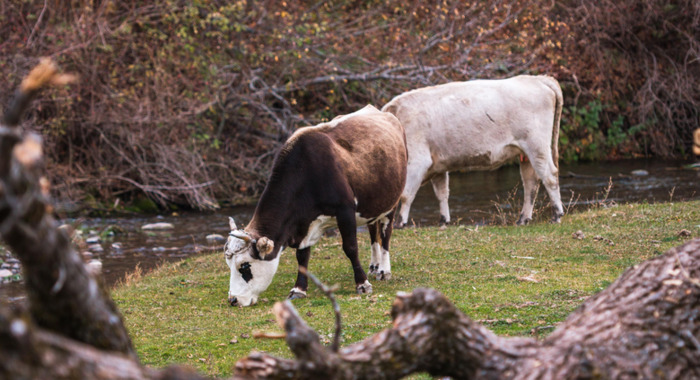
column 251, row 272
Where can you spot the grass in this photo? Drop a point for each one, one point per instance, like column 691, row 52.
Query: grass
column 518, row 281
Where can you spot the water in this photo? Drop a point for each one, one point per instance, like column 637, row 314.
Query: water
column 475, row 198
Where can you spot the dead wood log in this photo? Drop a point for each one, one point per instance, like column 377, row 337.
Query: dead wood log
column 643, row 326
column 63, row 297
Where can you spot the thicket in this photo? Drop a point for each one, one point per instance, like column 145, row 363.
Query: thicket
column 187, row 102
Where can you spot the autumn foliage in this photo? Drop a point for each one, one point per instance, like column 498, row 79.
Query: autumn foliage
column 187, row 102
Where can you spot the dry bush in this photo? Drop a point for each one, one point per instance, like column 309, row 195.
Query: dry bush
column 641, row 60
column 189, row 102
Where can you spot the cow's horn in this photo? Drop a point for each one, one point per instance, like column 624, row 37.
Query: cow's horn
column 239, row 234
column 232, row 224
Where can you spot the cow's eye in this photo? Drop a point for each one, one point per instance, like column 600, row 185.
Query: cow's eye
column 244, row 270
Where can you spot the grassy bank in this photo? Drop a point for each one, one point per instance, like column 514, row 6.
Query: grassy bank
column 515, row 280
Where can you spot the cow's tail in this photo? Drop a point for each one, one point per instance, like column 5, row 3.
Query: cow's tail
column 554, row 86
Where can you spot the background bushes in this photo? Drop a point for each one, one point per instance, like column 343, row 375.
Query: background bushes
column 186, row 102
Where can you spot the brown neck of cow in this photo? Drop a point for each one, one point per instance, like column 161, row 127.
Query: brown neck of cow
column 280, row 209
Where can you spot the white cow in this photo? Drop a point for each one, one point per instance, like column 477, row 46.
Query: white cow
column 480, row 125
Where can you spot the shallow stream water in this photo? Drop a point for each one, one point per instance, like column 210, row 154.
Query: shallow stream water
column 475, row 198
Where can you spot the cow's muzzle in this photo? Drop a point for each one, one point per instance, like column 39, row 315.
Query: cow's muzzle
column 233, row 301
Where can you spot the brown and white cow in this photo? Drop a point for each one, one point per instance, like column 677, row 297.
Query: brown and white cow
column 345, row 173
column 480, row 125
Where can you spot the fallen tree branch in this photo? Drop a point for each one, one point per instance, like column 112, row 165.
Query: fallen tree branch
column 63, row 297
column 642, row 326
column 336, row 308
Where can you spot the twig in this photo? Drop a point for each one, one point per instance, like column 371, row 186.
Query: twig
column 38, row 21
column 268, row 335
column 336, row 308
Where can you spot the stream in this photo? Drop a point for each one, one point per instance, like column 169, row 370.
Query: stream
column 476, row 198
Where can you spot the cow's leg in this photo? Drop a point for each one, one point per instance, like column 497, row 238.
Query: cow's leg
column 300, row 287
column 415, row 172
column 375, row 247
column 441, row 187
column 529, row 177
column 385, row 226
column 347, row 226
column 549, row 174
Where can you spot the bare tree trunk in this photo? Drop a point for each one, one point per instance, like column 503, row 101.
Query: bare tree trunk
column 642, row 326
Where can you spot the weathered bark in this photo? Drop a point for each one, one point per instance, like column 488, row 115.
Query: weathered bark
column 642, row 326
column 63, row 297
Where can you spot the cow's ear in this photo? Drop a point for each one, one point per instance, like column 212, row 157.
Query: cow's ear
column 232, row 224
column 264, row 246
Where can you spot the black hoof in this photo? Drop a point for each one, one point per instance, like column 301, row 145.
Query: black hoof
column 295, row 295
column 523, row 221
column 383, row 276
column 365, row 288
column 373, row 268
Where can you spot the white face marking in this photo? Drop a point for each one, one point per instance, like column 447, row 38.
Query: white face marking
column 249, row 276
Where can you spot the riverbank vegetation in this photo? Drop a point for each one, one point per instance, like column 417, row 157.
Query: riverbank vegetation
column 517, row 281
column 186, row 103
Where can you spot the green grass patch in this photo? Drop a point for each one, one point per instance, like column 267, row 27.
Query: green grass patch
column 515, row 280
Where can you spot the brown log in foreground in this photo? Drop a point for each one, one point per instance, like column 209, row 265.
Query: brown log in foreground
column 642, row 326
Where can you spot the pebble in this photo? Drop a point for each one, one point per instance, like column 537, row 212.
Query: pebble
column 158, row 226
column 93, row 240
column 95, row 248
column 215, row 238
column 5, row 273
column 639, row 172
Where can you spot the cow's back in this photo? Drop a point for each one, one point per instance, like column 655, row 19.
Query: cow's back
column 477, row 124
column 370, row 148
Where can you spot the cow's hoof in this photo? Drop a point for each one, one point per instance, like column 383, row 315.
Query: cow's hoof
column 295, row 293
column 373, row 268
column 365, row 288
column 523, row 220
column 383, row 276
